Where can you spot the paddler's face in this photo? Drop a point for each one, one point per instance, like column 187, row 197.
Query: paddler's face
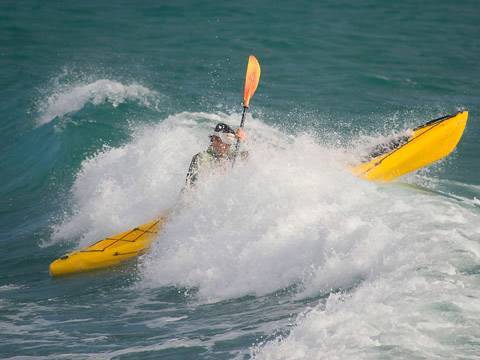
column 219, row 146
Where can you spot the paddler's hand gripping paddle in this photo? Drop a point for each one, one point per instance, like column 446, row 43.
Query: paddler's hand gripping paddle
column 252, row 78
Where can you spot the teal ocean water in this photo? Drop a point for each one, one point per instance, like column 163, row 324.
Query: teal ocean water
column 287, row 256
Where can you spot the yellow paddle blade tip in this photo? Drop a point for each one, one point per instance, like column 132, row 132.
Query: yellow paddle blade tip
column 252, row 79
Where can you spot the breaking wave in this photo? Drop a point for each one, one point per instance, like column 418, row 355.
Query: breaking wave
column 392, row 266
column 72, row 98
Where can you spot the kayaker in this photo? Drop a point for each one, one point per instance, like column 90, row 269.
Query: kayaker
column 219, row 153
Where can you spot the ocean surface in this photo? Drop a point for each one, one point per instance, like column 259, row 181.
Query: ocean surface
column 286, row 256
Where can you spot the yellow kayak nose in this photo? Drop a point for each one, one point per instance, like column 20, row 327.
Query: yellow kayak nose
column 428, row 143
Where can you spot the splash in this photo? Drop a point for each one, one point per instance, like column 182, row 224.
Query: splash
column 291, row 214
column 396, row 265
column 70, row 99
column 416, row 278
column 122, row 187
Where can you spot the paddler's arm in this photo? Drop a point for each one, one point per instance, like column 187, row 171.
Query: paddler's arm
column 241, row 135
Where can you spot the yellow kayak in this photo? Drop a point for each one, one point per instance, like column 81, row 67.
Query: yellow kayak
column 426, row 144
column 110, row 251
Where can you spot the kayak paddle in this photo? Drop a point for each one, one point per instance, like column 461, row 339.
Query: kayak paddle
column 252, row 78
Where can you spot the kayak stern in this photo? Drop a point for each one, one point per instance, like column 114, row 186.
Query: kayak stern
column 108, row 252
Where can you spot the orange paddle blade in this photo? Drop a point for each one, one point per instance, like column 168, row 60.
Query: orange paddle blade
column 251, row 79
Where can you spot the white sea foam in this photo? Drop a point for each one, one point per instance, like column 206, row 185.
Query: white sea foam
column 394, row 260
column 418, row 300
column 409, row 313
column 122, row 187
column 68, row 99
column 10, row 287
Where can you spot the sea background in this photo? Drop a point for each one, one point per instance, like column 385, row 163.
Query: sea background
column 287, row 256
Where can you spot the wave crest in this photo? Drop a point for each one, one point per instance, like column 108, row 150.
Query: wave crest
column 73, row 98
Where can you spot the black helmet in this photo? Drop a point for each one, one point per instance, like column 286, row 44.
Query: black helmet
column 224, row 132
column 224, row 128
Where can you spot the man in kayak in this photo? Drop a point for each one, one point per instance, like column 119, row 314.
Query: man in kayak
column 219, row 153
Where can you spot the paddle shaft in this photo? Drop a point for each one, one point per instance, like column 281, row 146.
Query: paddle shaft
column 243, row 117
column 237, row 145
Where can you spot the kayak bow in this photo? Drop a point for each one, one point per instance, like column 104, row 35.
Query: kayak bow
column 428, row 143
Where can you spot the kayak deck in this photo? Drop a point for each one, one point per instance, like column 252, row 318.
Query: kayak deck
column 110, row 251
column 428, row 143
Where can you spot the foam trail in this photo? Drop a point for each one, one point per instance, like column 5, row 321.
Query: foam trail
column 73, row 98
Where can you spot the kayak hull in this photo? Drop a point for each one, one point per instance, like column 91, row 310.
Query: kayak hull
column 427, row 144
column 110, row 251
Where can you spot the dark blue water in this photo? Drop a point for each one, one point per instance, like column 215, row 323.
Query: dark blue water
column 287, row 256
